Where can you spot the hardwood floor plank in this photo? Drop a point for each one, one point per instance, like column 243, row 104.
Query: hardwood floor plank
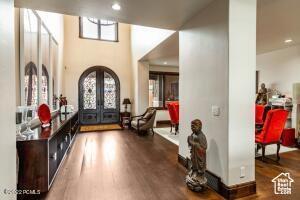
column 114, row 165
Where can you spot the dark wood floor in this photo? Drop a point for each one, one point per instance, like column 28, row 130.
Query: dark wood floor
column 266, row 171
column 115, row 165
column 119, row 165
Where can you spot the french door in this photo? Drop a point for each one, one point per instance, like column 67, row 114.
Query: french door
column 99, row 96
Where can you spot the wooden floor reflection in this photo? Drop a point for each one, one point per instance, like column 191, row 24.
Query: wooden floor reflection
column 119, row 165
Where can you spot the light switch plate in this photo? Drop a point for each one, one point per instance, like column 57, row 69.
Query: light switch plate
column 215, row 110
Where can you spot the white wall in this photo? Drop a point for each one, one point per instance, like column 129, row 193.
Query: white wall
column 203, row 82
column 241, row 113
column 143, row 86
column 212, row 51
column 161, row 115
column 280, row 69
column 143, row 40
column 8, row 102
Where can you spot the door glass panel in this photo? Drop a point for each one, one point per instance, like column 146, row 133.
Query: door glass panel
column 109, row 92
column 89, row 91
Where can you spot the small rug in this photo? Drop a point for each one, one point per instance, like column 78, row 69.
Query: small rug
column 165, row 133
column 101, row 127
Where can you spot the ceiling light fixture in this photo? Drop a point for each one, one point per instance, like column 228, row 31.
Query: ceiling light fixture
column 116, row 6
column 288, row 41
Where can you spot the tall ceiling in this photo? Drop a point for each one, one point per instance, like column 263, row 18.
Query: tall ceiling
column 168, row 14
column 277, row 20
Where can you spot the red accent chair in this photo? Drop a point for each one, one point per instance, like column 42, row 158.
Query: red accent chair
column 288, row 137
column 272, row 130
column 174, row 116
column 259, row 113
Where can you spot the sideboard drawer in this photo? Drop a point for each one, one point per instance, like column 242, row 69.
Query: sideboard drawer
column 52, row 158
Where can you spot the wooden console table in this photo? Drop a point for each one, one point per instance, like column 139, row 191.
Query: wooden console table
column 41, row 154
column 125, row 119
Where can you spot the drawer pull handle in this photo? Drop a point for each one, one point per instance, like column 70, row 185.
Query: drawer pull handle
column 61, row 146
column 54, row 156
column 66, row 139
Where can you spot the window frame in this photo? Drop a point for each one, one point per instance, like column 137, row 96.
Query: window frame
column 163, row 74
column 99, row 32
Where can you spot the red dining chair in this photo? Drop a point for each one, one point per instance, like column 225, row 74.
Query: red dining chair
column 173, row 116
column 272, row 130
column 259, row 113
column 176, row 104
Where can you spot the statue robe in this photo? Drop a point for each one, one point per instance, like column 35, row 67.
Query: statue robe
column 198, row 152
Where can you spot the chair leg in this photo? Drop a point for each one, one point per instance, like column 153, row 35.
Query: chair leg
column 152, row 131
column 176, row 129
column 171, row 127
column 263, row 152
column 278, row 149
column 257, row 147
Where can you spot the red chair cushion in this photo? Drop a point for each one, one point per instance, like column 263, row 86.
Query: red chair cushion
column 173, row 114
column 288, row 137
column 176, row 105
column 273, row 127
column 259, row 113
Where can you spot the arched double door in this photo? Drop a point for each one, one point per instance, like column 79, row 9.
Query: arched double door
column 99, row 96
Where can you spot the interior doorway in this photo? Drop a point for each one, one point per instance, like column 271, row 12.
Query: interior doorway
column 99, row 96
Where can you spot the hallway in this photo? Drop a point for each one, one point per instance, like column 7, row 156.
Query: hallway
column 117, row 165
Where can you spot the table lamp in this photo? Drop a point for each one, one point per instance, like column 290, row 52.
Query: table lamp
column 126, row 101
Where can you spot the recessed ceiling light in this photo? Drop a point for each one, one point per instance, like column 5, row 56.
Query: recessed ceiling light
column 288, row 41
column 165, row 63
column 116, row 6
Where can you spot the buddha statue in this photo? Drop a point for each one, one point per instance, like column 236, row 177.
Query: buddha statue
column 196, row 179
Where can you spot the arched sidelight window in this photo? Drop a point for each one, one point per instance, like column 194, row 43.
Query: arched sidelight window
column 31, row 86
column 45, row 85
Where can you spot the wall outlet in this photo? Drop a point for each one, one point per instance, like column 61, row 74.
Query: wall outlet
column 215, row 110
column 243, row 172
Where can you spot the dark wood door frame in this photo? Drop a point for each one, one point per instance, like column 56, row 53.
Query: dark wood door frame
column 102, row 115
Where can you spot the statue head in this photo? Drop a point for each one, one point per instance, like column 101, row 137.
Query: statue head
column 263, row 86
column 196, row 125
